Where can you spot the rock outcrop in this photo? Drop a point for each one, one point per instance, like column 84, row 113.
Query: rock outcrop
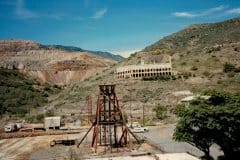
column 49, row 64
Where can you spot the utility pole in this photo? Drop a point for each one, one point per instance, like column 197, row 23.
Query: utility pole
column 89, row 106
column 130, row 108
column 143, row 115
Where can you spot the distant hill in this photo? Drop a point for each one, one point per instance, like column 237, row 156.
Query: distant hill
column 77, row 49
column 198, row 37
column 49, row 64
column 202, row 48
column 204, row 56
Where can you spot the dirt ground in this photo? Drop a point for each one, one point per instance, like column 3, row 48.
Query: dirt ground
column 23, row 148
column 38, row 148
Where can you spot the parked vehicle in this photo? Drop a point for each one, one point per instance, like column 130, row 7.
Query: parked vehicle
column 137, row 128
column 12, row 127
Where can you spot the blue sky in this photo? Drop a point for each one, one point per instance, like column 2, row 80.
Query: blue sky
column 118, row 26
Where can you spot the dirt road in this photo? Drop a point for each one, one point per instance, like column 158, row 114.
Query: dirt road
column 162, row 135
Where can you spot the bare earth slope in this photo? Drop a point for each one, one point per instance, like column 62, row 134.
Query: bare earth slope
column 49, row 64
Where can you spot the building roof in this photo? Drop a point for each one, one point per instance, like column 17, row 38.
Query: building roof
column 144, row 66
column 46, row 118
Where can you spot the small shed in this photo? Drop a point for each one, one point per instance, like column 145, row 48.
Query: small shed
column 52, row 123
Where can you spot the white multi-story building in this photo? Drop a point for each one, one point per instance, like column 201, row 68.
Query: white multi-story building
column 145, row 70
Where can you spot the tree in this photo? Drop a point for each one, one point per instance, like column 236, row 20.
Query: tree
column 191, row 128
column 216, row 120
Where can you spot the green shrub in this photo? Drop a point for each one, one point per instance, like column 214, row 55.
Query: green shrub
column 160, row 78
column 228, row 67
column 50, row 113
column 206, row 73
column 237, row 49
column 219, row 82
column 231, row 74
column 183, row 64
column 125, row 117
column 185, row 75
column 47, row 88
column 194, row 68
column 40, row 117
column 237, row 70
column 161, row 111
column 179, row 110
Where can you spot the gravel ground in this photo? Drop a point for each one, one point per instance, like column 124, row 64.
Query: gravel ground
column 38, row 148
column 161, row 136
column 34, row 147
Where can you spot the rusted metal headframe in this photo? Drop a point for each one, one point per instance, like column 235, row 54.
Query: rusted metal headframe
column 109, row 128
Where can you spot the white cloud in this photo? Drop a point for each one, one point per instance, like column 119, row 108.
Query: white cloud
column 22, row 12
column 184, row 14
column 99, row 14
column 234, row 11
column 200, row 14
column 213, row 10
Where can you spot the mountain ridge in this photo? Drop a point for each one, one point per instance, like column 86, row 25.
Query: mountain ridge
column 78, row 49
column 196, row 35
column 50, row 65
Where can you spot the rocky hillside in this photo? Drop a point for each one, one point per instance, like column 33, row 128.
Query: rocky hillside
column 202, row 49
column 200, row 37
column 77, row 49
column 205, row 56
column 21, row 94
column 49, row 64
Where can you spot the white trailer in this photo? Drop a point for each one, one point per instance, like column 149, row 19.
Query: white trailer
column 52, row 123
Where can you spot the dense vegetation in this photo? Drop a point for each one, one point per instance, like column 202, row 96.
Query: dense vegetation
column 19, row 93
column 212, row 121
